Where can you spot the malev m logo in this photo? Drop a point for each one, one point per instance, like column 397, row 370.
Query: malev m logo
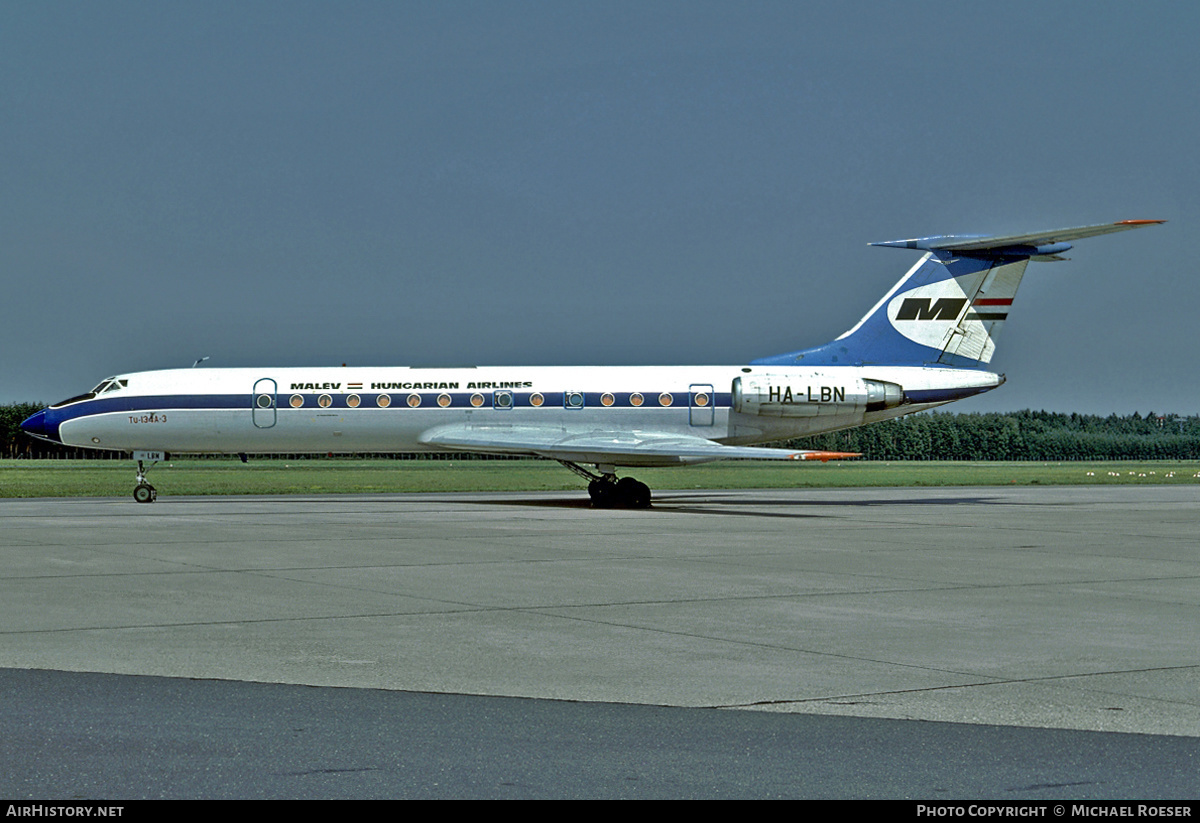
column 929, row 314
column 926, row 308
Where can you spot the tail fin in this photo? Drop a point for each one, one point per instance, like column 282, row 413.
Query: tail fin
column 950, row 307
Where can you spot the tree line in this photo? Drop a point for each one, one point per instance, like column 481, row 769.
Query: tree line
column 1023, row 435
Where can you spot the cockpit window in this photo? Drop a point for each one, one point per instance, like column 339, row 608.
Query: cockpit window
column 111, row 384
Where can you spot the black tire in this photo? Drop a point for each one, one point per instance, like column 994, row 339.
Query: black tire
column 144, row 493
column 633, row 493
column 603, row 494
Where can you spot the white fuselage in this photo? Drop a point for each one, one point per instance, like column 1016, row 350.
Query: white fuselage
column 388, row 409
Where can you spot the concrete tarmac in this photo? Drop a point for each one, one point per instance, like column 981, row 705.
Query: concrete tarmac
column 1056, row 608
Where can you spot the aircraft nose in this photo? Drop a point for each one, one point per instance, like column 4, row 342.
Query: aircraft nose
column 40, row 426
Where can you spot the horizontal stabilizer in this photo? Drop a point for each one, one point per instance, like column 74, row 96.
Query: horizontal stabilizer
column 1037, row 244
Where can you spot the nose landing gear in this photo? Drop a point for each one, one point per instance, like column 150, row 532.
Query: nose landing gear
column 143, row 492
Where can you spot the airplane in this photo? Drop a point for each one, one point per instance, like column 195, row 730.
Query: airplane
column 925, row 343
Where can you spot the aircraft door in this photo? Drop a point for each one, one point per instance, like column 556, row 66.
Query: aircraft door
column 701, row 401
column 263, row 404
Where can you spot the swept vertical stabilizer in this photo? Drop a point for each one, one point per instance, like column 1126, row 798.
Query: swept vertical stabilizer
column 949, row 308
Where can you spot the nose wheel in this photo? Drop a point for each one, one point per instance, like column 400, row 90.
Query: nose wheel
column 143, row 492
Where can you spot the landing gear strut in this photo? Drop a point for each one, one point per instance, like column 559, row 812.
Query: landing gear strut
column 607, row 492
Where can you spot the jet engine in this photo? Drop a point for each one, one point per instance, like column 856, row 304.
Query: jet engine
column 813, row 395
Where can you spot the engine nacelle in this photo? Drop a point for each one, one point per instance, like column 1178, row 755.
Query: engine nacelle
column 813, row 395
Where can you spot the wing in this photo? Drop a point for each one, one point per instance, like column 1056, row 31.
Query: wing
column 617, row 448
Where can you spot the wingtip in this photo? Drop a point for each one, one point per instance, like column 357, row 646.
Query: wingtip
column 1138, row 222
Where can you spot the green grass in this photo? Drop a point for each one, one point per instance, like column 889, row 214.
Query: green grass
column 115, row 478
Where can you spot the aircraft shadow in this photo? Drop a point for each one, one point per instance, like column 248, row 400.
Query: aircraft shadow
column 733, row 504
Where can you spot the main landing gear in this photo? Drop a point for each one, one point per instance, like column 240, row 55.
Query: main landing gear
column 607, row 492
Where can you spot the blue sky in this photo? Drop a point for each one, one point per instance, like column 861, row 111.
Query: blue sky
column 424, row 183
